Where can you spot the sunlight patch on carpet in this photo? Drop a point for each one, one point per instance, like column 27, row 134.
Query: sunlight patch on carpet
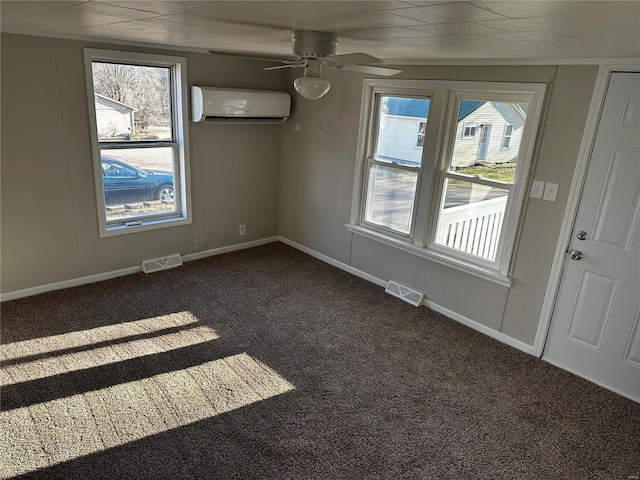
column 90, row 357
column 83, row 338
column 59, row 430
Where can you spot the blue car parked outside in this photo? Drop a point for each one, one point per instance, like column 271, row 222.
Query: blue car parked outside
column 124, row 183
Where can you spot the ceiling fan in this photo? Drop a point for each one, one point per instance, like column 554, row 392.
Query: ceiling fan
column 315, row 49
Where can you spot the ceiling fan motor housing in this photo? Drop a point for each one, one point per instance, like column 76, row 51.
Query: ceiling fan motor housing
column 309, row 44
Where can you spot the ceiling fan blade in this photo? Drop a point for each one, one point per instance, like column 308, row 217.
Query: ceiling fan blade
column 290, row 65
column 252, row 56
column 351, row 59
column 358, row 62
column 383, row 71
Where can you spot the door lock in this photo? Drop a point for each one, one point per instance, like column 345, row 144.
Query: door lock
column 582, row 235
column 575, row 255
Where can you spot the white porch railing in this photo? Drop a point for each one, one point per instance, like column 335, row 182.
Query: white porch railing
column 473, row 228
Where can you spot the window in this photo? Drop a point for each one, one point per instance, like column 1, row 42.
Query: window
column 469, row 129
column 139, row 136
column 458, row 204
column 506, row 136
column 394, row 164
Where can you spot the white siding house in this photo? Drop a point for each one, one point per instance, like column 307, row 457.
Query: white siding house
column 402, row 129
column 113, row 118
column 487, row 131
column 490, row 132
column 398, row 140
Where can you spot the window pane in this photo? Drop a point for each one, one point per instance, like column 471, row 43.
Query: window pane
column 390, row 198
column 138, row 182
column 469, row 129
column 488, row 138
column 506, row 138
column 402, row 125
column 472, row 217
column 132, row 102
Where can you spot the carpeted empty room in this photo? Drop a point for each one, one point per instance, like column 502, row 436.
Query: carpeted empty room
column 267, row 363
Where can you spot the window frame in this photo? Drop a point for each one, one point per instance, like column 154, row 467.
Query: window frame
column 440, row 140
column 370, row 147
column 179, row 143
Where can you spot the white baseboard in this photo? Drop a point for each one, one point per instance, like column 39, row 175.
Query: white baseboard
column 74, row 282
column 490, row 332
column 335, row 263
column 231, row 248
column 99, row 277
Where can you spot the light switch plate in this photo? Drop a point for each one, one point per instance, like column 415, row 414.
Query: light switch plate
column 550, row 192
column 537, row 187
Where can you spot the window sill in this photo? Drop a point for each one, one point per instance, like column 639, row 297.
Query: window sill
column 113, row 230
column 436, row 257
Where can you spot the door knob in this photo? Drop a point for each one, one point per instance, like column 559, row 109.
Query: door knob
column 575, row 255
column 581, row 235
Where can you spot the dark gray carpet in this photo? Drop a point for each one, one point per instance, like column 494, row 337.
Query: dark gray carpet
column 267, row 363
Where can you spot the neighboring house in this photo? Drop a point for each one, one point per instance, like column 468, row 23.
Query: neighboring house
column 487, row 131
column 113, row 118
column 402, row 131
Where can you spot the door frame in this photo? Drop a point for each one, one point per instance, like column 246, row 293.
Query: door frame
column 573, row 202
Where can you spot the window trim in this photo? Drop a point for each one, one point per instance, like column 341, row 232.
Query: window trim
column 435, row 156
column 179, row 142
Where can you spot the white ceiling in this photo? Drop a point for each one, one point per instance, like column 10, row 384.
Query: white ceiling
column 409, row 31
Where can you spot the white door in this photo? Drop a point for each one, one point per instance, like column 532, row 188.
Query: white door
column 595, row 330
column 483, row 146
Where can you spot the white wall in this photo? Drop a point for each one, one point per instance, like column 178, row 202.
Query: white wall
column 49, row 229
column 317, row 173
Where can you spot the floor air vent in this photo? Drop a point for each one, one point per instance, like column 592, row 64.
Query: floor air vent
column 404, row 293
column 162, row 263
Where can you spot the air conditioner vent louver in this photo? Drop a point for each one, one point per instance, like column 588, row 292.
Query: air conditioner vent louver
column 404, row 293
column 162, row 263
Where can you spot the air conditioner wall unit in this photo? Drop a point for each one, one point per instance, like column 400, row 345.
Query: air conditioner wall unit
column 231, row 105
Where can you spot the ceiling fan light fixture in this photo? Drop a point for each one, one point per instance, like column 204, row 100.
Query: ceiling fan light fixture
column 315, row 49
column 312, row 88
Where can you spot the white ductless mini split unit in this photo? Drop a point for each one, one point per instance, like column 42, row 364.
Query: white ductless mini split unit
column 231, row 105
